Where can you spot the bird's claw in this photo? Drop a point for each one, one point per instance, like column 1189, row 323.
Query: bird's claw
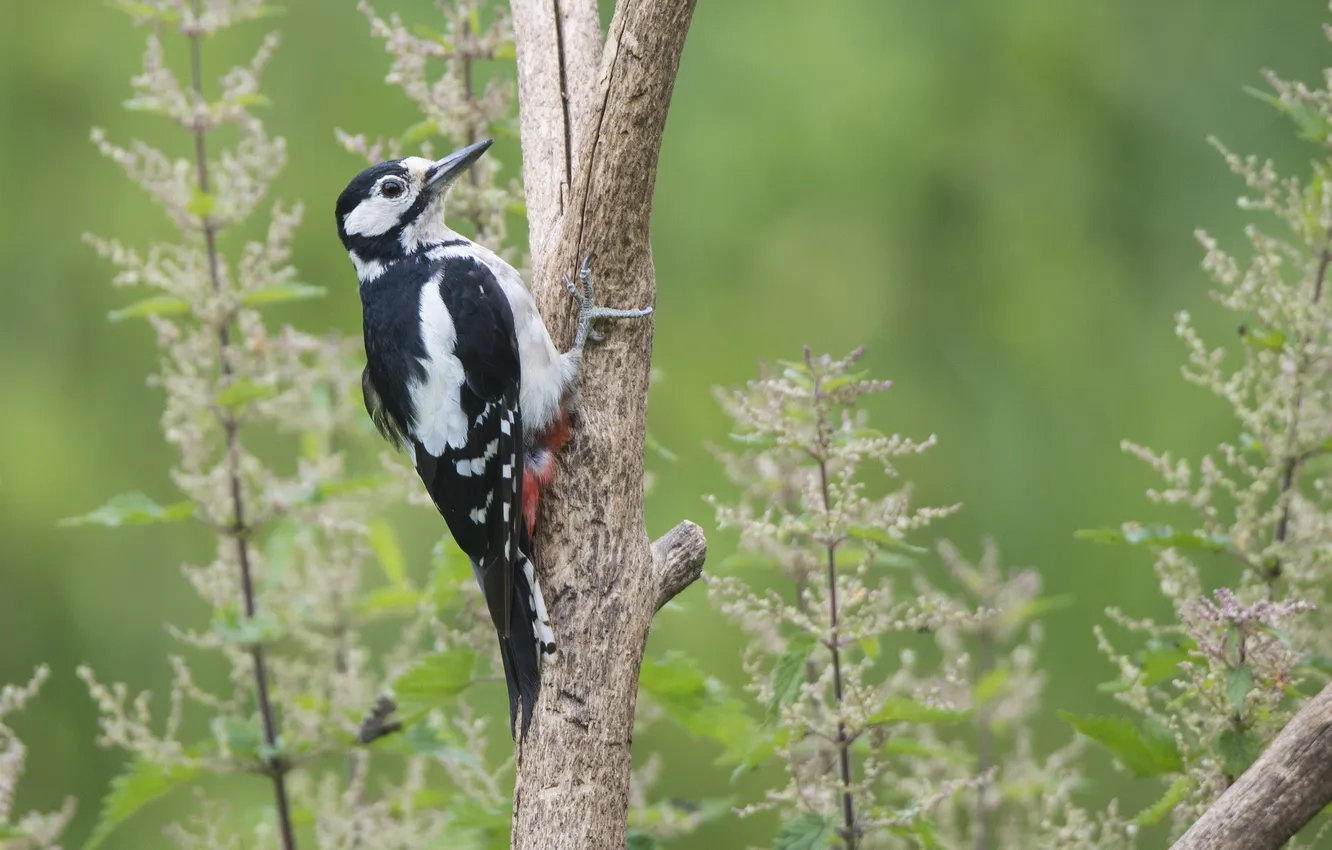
column 588, row 311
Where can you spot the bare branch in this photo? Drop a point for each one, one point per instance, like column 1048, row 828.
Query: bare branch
column 1281, row 792
column 677, row 560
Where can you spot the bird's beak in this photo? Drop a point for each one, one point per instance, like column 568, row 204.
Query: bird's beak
column 444, row 171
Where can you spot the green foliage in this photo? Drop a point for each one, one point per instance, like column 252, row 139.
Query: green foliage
column 910, row 711
column 809, row 831
column 434, row 682
column 1155, row 535
column 1173, row 796
column 142, row 783
column 133, row 509
column 1148, row 751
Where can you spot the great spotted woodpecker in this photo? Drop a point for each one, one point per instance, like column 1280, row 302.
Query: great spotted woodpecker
column 462, row 373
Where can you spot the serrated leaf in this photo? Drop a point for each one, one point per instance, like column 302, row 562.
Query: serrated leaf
column 1160, row 662
column 241, row 392
column 384, row 543
column 138, row 786
column 435, row 680
column 789, row 673
column 809, row 831
column 703, row 707
column 132, row 509
column 1154, row 535
column 201, row 204
column 1145, row 752
column 1238, row 682
column 289, row 291
column 1238, row 749
column 158, row 305
column 909, row 711
column 1173, row 796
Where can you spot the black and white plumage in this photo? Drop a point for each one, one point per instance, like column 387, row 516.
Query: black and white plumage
column 462, row 373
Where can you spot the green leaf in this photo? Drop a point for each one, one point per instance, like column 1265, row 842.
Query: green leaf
column 506, row 52
column 390, row 600
column 241, row 392
column 289, row 291
column 883, row 538
column 1160, row 662
column 869, row 646
column 912, row 748
column 132, row 509
column 451, row 571
column 434, row 681
column 910, row 711
column 809, row 831
column 1260, row 338
column 144, row 10
column 241, row 737
column 201, row 203
column 1154, row 535
column 1238, row 748
column 639, row 840
column 9, row 830
column 1238, row 682
column 138, row 786
column 789, row 672
column 991, row 685
column 1173, row 796
column 702, row 707
column 158, row 305
column 428, row 34
column 384, row 543
column 1149, row 752
column 234, row 628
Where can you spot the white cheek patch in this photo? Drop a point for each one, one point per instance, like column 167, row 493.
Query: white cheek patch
column 374, row 216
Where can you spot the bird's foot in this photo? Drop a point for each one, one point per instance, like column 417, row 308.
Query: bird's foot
column 588, row 311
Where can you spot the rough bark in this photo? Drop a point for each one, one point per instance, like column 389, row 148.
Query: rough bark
column 1281, row 792
column 603, row 580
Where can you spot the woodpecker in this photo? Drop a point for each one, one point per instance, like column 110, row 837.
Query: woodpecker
column 462, row 374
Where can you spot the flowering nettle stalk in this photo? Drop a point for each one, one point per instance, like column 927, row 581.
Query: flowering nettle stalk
column 290, row 585
column 1215, row 686
column 902, row 754
column 31, row 831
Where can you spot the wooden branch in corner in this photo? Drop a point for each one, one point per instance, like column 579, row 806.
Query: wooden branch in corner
column 1281, row 792
column 592, row 122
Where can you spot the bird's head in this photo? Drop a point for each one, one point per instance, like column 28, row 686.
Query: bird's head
column 391, row 209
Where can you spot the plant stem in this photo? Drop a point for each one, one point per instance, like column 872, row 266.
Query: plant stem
column 984, row 741
column 848, row 831
column 1294, row 456
column 239, row 532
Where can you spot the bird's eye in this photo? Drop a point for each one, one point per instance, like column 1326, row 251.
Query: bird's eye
column 392, row 189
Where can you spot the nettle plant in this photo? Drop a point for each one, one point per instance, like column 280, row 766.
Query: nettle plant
column 1214, row 686
column 930, row 748
column 262, row 419
column 33, row 830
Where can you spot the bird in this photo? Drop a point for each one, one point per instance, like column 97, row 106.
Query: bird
column 462, row 374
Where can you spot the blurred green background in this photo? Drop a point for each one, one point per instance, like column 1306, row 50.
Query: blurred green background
column 995, row 196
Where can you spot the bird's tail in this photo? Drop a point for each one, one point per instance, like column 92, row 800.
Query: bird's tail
column 529, row 642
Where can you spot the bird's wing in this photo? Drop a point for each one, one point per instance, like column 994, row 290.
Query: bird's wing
column 374, row 405
column 477, row 485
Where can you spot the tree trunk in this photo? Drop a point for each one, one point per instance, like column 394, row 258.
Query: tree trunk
column 1281, row 792
column 592, row 122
